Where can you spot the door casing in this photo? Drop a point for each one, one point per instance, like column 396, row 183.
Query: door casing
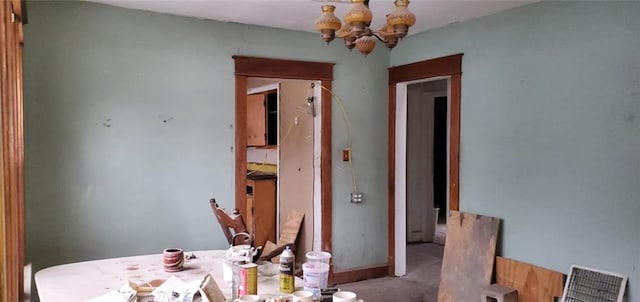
column 446, row 67
column 246, row 67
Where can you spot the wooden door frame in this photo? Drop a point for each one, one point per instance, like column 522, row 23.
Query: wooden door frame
column 450, row 66
column 246, row 67
column 12, row 16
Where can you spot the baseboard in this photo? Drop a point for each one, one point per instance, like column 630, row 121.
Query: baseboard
column 359, row 274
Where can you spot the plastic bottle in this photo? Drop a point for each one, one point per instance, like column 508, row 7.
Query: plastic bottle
column 287, row 267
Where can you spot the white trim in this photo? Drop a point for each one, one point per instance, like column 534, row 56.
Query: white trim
column 401, row 181
column 400, row 214
column 263, row 88
column 317, row 166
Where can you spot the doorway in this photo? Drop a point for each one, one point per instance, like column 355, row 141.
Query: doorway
column 286, row 150
column 426, row 148
column 252, row 67
column 445, row 68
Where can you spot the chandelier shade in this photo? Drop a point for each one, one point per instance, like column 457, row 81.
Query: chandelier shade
column 401, row 18
column 355, row 29
column 328, row 23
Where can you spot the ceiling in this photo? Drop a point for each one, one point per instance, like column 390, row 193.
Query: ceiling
column 301, row 14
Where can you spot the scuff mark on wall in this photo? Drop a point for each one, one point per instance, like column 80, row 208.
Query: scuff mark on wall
column 630, row 113
column 165, row 119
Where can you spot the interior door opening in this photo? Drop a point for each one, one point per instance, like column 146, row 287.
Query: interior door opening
column 421, row 165
column 283, row 141
column 426, row 148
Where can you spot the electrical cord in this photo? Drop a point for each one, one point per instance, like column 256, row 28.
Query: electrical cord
column 354, row 179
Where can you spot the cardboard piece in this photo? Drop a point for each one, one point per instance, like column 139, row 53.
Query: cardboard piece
column 469, row 253
column 288, row 234
column 210, row 291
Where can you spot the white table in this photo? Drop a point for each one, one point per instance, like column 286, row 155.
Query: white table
column 86, row 280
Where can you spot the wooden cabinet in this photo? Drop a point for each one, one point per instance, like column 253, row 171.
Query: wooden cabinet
column 262, row 119
column 261, row 210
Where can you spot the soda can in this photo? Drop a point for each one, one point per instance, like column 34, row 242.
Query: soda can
column 248, row 279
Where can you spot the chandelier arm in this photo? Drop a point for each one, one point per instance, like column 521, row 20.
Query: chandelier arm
column 378, row 37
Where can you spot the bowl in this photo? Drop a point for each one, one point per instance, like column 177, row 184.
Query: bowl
column 267, row 268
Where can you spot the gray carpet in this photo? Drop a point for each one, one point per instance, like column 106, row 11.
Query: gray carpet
column 420, row 284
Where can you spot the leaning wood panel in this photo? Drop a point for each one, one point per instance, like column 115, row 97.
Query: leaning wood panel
column 467, row 264
column 534, row 283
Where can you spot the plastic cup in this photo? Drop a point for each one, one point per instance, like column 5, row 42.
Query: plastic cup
column 321, row 257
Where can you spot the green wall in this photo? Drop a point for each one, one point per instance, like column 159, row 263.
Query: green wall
column 129, row 131
column 550, row 134
column 550, row 129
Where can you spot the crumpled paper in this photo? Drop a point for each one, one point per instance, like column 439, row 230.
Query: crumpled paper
column 172, row 290
column 176, row 290
column 127, row 293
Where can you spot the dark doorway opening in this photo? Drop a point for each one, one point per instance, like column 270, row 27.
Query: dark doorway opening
column 440, row 157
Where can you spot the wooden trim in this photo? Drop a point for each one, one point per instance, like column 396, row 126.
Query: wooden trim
column 359, row 274
column 12, row 157
column 391, row 191
column 241, row 144
column 454, row 144
column 445, row 66
column 285, row 69
column 17, row 7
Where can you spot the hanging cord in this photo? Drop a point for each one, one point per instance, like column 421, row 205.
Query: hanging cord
column 354, row 179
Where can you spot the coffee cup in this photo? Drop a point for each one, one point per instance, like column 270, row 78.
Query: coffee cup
column 344, row 296
column 248, row 298
column 302, row 296
column 173, row 259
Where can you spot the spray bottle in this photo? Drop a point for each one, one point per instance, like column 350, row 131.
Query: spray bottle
column 287, row 267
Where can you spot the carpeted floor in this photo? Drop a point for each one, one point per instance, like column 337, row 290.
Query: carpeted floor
column 420, row 284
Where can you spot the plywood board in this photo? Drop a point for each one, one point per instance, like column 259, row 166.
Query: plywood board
column 534, row 283
column 289, row 231
column 469, row 253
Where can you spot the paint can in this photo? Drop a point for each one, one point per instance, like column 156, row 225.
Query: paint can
column 235, row 278
column 248, row 279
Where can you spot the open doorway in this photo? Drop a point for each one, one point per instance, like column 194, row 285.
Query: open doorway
column 253, row 67
column 426, row 145
column 400, row 77
column 282, row 135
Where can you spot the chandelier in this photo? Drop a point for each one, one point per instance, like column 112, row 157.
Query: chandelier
column 355, row 29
